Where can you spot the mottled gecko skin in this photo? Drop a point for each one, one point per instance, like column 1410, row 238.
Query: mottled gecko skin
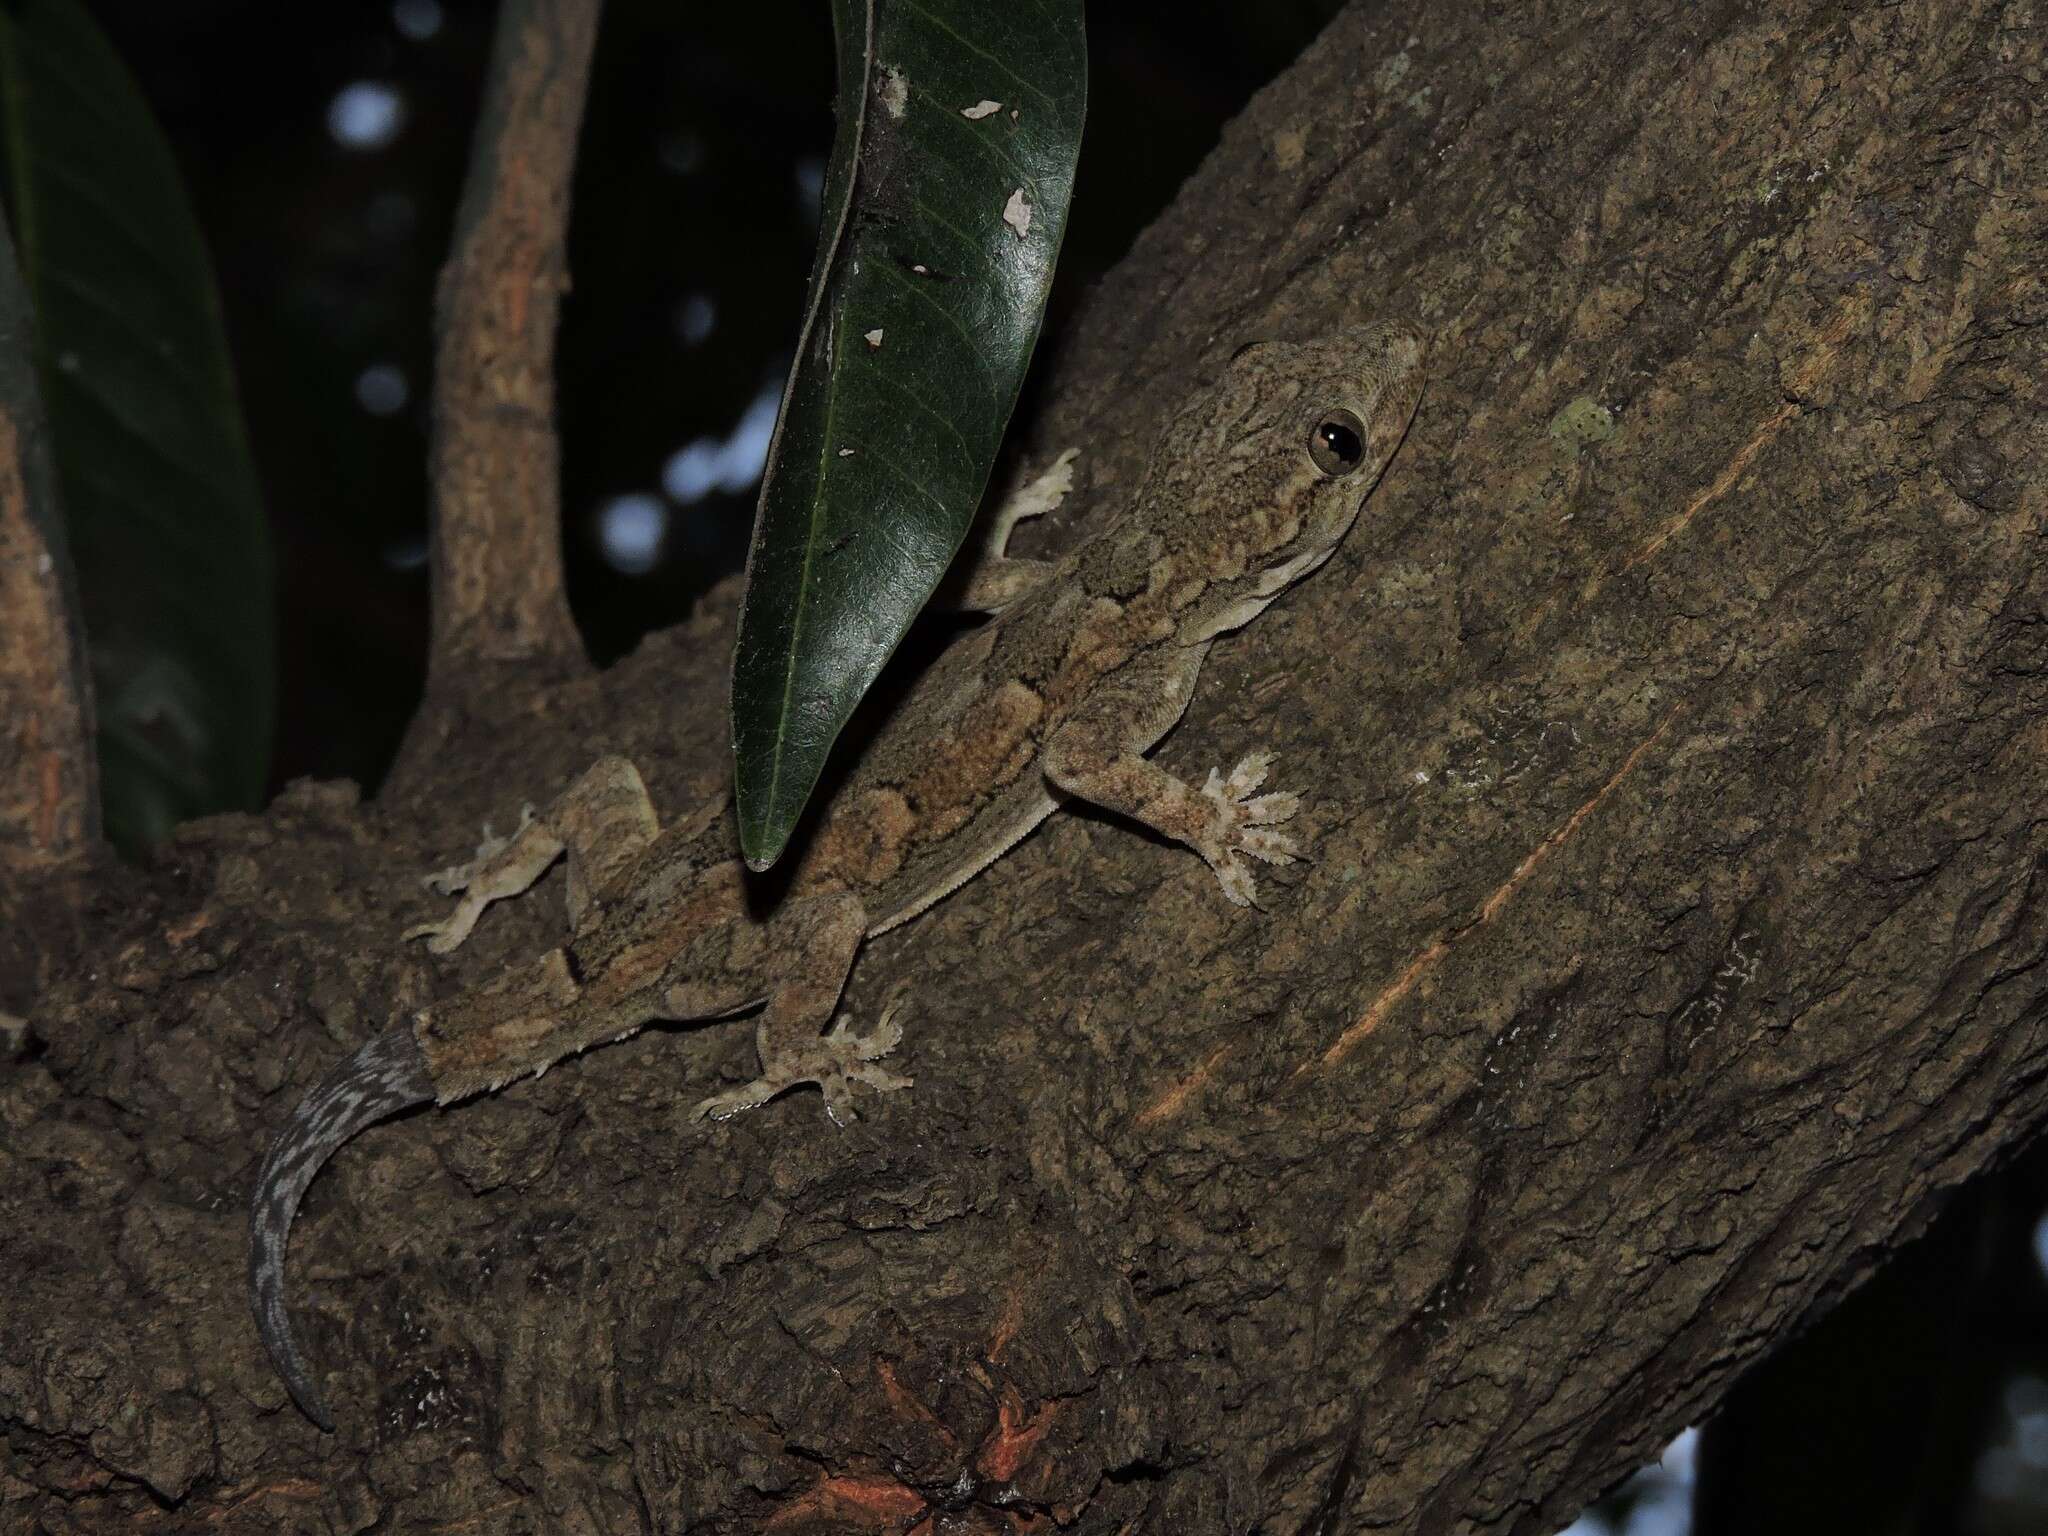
column 1090, row 661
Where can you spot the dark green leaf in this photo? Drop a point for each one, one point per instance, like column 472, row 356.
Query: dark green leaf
column 925, row 302
column 166, row 525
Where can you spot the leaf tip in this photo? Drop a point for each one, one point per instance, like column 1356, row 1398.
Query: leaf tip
column 761, row 842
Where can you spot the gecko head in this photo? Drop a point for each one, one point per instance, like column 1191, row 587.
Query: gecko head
column 1295, row 434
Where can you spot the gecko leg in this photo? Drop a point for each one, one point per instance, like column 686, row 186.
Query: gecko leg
column 815, row 942
column 1095, row 755
column 992, row 580
column 603, row 820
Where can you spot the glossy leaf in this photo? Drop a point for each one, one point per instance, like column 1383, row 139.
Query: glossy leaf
column 944, row 203
column 164, row 518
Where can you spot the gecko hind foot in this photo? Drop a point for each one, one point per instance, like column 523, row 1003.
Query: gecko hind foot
column 835, row 1062
column 1244, row 824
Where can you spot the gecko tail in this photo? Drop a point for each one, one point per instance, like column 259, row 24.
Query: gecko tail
column 386, row 1075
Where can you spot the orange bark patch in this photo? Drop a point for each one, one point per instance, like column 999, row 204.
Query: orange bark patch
column 908, row 1403
column 1423, row 963
column 185, row 929
column 1809, row 374
column 1175, row 1099
column 46, row 772
column 1007, row 1327
column 234, row 1500
column 880, row 1501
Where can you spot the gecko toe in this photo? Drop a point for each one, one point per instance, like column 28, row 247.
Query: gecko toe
column 441, row 937
column 1269, row 847
column 1244, row 826
column 877, row 1043
column 723, row 1106
column 1236, row 881
column 1249, row 774
column 881, row 1079
column 1263, row 810
column 837, row 1086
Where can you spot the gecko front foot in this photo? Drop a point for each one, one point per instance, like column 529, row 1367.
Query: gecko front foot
column 503, row 866
column 456, row 877
column 1243, row 824
column 835, row 1061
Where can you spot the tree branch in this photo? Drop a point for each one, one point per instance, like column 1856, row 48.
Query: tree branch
column 498, row 596
column 49, row 789
column 1677, row 936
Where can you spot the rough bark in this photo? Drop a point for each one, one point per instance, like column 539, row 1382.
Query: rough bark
column 1673, row 726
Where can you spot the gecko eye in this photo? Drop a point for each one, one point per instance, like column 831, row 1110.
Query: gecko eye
column 1337, row 442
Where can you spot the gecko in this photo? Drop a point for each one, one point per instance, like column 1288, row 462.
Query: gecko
column 1084, row 665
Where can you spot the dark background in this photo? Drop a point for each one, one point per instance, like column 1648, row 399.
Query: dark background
column 323, row 143
column 695, row 216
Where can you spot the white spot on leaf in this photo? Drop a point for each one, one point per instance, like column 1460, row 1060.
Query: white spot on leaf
column 894, row 91
column 873, row 338
column 981, row 109
column 1017, row 213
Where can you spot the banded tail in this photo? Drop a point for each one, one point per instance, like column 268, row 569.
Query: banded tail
column 386, row 1075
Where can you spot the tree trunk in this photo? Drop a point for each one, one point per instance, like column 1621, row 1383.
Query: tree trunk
column 1672, row 728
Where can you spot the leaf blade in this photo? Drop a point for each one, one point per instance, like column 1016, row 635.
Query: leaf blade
column 163, row 513
column 925, row 303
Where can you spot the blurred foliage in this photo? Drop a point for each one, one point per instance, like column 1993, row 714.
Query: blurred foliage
column 161, row 511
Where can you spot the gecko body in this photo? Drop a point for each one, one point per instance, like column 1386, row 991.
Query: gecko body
column 1088, row 662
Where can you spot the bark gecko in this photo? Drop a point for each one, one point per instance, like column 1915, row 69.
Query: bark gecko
column 1088, row 663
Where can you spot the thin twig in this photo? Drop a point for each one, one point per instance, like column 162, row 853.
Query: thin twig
column 497, row 557
column 49, row 787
